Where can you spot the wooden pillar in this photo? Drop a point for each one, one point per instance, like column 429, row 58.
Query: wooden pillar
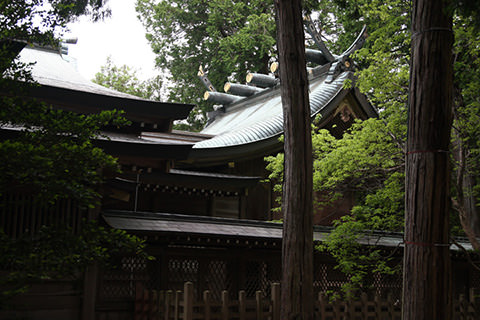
column 297, row 208
column 427, row 267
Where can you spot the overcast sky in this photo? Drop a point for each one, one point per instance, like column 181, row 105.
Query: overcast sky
column 121, row 36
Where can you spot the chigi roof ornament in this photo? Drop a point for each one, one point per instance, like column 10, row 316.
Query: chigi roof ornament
column 329, row 64
column 212, row 94
column 338, row 63
column 241, row 89
column 310, row 26
column 262, row 80
column 206, row 82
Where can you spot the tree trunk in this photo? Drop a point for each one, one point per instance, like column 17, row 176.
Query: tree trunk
column 427, row 268
column 297, row 247
column 465, row 202
column 472, row 212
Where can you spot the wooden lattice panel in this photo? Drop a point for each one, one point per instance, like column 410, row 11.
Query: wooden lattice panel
column 121, row 282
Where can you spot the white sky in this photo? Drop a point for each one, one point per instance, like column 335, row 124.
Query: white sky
column 121, row 36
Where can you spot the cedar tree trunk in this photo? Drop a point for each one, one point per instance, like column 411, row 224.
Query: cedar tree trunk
column 297, row 247
column 427, row 268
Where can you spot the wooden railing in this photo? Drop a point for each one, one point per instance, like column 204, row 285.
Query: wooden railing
column 169, row 305
column 166, row 305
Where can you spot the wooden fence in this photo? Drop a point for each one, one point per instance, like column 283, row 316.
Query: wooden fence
column 48, row 299
column 169, row 305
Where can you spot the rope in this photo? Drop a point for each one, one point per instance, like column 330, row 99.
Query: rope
column 434, row 29
column 426, row 151
column 426, row 244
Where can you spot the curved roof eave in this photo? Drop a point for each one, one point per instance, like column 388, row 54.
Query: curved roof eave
column 213, row 156
column 261, row 138
column 61, row 84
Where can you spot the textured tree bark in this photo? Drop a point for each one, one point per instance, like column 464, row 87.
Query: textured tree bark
column 427, row 268
column 471, row 218
column 465, row 203
column 297, row 247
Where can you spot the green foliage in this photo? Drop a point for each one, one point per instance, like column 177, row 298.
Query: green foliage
column 228, row 38
column 468, row 9
column 467, row 102
column 51, row 154
column 275, row 166
column 369, row 160
column 355, row 259
column 124, row 79
column 360, row 160
column 58, row 253
column 368, row 163
column 382, row 211
column 41, row 20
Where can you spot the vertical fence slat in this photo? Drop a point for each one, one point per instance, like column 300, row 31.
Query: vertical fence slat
column 336, row 310
column 364, row 303
column 207, row 302
column 163, row 305
column 177, row 305
column 259, row 304
column 168, row 302
column 321, row 305
column 346, row 309
column 188, row 301
column 378, row 307
column 275, row 301
column 225, row 305
column 241, row 304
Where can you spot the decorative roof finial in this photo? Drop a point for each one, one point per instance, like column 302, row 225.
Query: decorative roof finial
column 338, row 63
column 310, row 26
column 206, row 82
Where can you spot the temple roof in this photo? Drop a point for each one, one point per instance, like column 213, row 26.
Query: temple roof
column 171, row 224
column 261, row 117
column 250, row 120
column 252, row 125
column 63, row 86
